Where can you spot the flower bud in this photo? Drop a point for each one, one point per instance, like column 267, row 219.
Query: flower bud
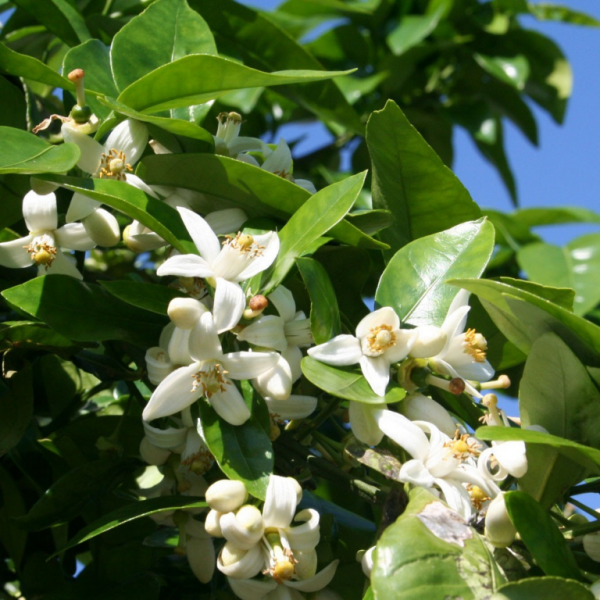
column 158, row 364
column 421, row 408
column 595, row 589
column 185, row 312
column 212, row 523
column 499, row 529
column 152, row 454
column 366, row 562
column 201, row 558
column 226, row 495
column 250, row 518
column 102, row 227
column 231, row 554
column 430, row 342
column 306, row 565
column 591, row 545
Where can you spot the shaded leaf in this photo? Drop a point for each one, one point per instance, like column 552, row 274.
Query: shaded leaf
column 16, row 409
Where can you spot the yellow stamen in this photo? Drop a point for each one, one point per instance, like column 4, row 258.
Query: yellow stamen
column 478, row 496
column 460, row 447
column 380, row 338
column 475, row 345
column 113, row 165
column 282, row 560
column 245, row 244
column 211, row 381
column 41, row 253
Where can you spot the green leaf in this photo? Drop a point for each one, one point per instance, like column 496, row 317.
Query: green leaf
column 513, row 70
column 576, row 266
column 16, row 409
column 176, row 32
column 13, row 539
column 564, row 297
column 12, row 105
column 226, row 182
column 148, row 296
column 68, row 496
column 264, row 45
column 347, row 383
column 324, row 313
column 84, row 311
column 541, row 536
column 32, row 335
column 24, row 153
column 542, row 588
column 410, row 181
column 154, row 214
column 243, row 452
column 126, row 514
column 564, row 14
column 171, row 85
column 60, row 17
column 320, row 213
column 533, row 217
column 431, row 552
column 94, row 58
column 414, row 281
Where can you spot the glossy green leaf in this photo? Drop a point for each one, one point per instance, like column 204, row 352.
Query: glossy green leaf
column 542, row 588
column 12, row 105
column 148, row 296
column 24, row 153
column 16, row 409
column 226, row 182
column 176, row 32
column 411, row 181
column 431, row 552
column 171, row 86
column 414, row 281
column 129, row 513
column 576, row 266
column 564, row 14
column 563, row 297
column 347, row 383
column 320, row 213
column 324, row 313
column 541, row 536
column 60, row 17
column 68, row 496
column 33, row 335
column 154, row 214
column 84, row 311
column 513, row 70
column 533, row 217
column 243, row 452
column 94, row 58
column 264, row 45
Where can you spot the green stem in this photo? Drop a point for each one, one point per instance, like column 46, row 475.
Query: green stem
column 584, row 508
column 303, row 432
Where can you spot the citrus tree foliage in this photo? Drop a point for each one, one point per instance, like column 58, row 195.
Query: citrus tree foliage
column 228, row 373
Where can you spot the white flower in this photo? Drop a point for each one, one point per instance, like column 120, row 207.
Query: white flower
column 228, row 141
column 285, row 333
column 438, row 460
column 499, row 529
column 238, row 259
column 379, row 342
column 123, row 148
column 209, row 376
column 43, row 244
column 421, row 408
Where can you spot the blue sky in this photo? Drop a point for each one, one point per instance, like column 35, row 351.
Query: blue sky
column 564, row 168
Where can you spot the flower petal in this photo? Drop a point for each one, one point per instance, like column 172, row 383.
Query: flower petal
column 230, row 405
column 456, row 497
column 229, row 304
column 404, row 432
column 340, row 351
column 280, row 502
column 80, row 207
column 512, row 457
column 204, row 340
column 173, row 394
column 74, row 237
column 91, row 150
column 405, row 340
column 266, row 331
column 276, row 383
column 307, row 185
column 169, row 438
column 270, row 242
column 130, row 137
column 284, row 302
column 185, row 265
column 201, row 233
column 363, row 422
column 14, row 255
column 248, row 365
column 251, row 589
column 63, row 264
column 383, row 316
column 316, row 582
column 201, row 558
column 415, row 472
column 376, row 370
column 179, row 346
column 293, row 407
column 279, row 161
column 238, row 535
column 248, row 566
column 39, row 212
column 293, row 355
column 103, row 228
column 136, row 182
column 229, row 220
column 305, row 537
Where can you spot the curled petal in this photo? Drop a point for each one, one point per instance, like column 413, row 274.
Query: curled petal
column 248, row 566
column 80, row 207
column 364, row 424
column 383, row 316
column 276, row 383
column 293, row 407
column 266, row 331
column 280, row 502
column 103, row 228
column 284, row 302
column 74, row 237
column 169, row 438
column 251, row 589
column 305, row 537
column 316, row 582
column 235, row 533
column 512, row 457
column 404, row 432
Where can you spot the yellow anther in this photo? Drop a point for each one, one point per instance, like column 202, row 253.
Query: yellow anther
column 211, row 381
column 113, row 165
column 475, row 345
column 460, row 447
column 379, row 339
column 41, row 253
column 478, row 496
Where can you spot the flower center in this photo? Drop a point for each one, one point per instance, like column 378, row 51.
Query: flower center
column 211, row 380
column 460, row 448
column 199, row 462
column 282, row 567
column 42, row 253
column 245, row 244
column 113, row 165
column 378, row 340
column 478, row 496
column 475, row 345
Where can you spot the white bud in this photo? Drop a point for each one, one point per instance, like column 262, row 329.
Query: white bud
column 306, row 566
column 103, row 228
column 185, row 312
column 366, row 562
column 201, row 557
column 158, row 364
column 595, row 589
column 226, row 495
column 499, row 529
column 231, row 554
column 250, row 518
column 430, row 342
column 591, row 545
column 421, row 408
column 152, row 454
column 212, row 523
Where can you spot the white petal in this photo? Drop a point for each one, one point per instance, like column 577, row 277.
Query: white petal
column 238, row 535
column 204, row 340
column 340, row 351
column 454, row 324
column 276, row 383
column 243, row 144
column 405, row 340
column 169, row 438
column 363, row 422
column 421, row 408
column 280, row 502
column 129, row 137
column 512, row 457
column 185, row 265
column 248, row 365
column 404, row 432
column 103, row 228
column 229, row 220
column 293, row 355
column 173, row 394
column 39, row 212
column 298, row 331
column 266, row 331
column 283, row 592
column 316, row 582
column 248, row 159
column 136, row 182
column 179, row 347
column 63, row 264
column 249, row 566
column 377, row 372
column 293, row 407
column 415, row 472
column 203, row 236
column 305, row 537
column 251, row 589
column 475, row 371
column 201, row 557
column 307, row 185
column 284, row 302
column 383, row 316
column 279, row 160
column 14, row 255
column 456, row 497
column 230, row 405
column 80, row 207
column 91, row 150
column 74, row 237
column 270, row 242
column 229, row 304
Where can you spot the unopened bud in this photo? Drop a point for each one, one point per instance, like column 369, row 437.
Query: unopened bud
column 226, row 495
column 591, row 545
column 250, row 518
column 185, row 312
column 158, row 364
column 212, row 523
column 456, row 386
column 103, row 228
column 430, row 342
column 499, row 529
column 76, row 75
column 231, row 554
column 258, row 302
